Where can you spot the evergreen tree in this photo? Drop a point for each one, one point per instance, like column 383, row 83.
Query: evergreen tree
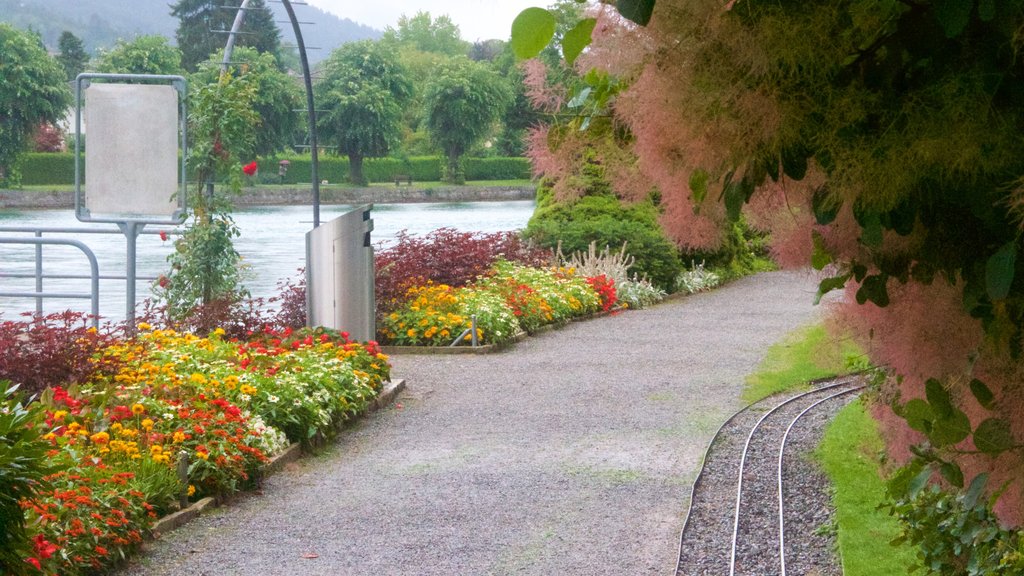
column 203, row 27
column 73, row 56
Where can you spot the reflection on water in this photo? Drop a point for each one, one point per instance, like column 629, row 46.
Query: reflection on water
column 272, row 246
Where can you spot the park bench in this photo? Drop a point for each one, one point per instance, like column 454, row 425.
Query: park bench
column 399, row 178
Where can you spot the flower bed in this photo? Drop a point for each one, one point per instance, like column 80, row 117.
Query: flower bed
column 506, row 300
column 222, row 407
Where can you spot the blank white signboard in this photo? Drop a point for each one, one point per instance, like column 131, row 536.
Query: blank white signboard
column 131, row 155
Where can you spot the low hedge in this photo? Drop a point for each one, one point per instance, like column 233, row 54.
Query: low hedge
column 59, row 169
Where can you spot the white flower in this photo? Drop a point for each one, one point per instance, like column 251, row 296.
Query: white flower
column 244, row 397
column 168, row 416
column 272, row 399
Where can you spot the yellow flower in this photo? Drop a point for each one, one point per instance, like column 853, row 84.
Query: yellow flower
column 138, row 409
column 156, row 449
column 411, row 332
column 147, row 424
column 115, row 427
column 231, row 381
column 197, row 378
column 219, row 331
column 191, row 490
column 203, row 455
column 74, row 427
column 178, row 437
column 144, row 326
column 100, row 438
column 247, row 389
column 60, row 414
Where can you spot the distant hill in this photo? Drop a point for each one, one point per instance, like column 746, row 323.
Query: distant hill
column 99, row 23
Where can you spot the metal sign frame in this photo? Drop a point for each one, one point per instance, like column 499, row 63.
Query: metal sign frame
column 82, row 81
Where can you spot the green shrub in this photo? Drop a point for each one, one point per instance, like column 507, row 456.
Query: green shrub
column 59, row 169
column 743, row 251
column 48, row 168
column 608, row 222
column 23, row 463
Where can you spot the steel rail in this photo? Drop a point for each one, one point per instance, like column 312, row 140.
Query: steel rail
column 782, row 451
column 743, row 461
column 698, row 481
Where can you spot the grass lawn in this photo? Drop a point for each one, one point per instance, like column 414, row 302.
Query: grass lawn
column 849, row 455
column 806, row 354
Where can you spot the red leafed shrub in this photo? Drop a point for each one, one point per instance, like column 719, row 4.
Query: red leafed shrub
column 53, row 350
column 605, row 288
column 446, row 256
column 48, row 138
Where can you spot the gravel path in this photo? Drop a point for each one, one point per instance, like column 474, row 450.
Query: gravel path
column 572, row 453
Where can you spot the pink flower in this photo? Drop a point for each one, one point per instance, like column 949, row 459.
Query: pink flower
column 250, row 168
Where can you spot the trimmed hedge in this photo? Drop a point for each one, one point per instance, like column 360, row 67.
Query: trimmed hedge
column 59, row 168
column 48, row 168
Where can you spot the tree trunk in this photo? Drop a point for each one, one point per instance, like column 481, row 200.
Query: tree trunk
column 355, row 170
column 453, row 173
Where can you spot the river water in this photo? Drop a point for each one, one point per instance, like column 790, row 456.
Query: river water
column 272, row 246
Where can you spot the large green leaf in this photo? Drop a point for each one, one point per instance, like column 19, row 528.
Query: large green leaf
column 950, row 430
column 820, row 257
column 871, row 236
column 975, row 490
column 939, row 398
column 873, row 289
column 953, row 15
column 993, row 436
column 999, row 271
column 532, row 29
column 825, row 210
column 794, row 162
column 638, row 11
column 829, row 284
column 577, row 39
column 982, row 394
column 919, row 415
column 952, row 473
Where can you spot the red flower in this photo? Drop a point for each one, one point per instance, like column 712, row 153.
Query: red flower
column 250, row 168
column 34, row 562
column 163, row 235
column 44, row 548
column 101, row 550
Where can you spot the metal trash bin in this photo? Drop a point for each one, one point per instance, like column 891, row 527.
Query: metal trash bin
column 340, row 275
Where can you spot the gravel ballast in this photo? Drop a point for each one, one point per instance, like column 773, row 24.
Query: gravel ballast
column 571, row 453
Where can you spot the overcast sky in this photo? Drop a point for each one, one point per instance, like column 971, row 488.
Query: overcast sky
column 477, row 19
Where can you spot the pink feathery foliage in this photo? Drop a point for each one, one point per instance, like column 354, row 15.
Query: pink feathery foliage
column 690, row 231
column 544, row 96
column 617, row 46
column 923, row 332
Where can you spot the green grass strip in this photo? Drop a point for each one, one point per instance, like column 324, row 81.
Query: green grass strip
column 849, row 454
column 807, row 353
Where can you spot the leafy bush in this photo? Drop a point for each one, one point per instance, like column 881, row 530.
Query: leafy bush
column 743, row 251
column 697, row 279
column 50, row 350
column 497, row 168
column 23, row 463
column 444, row 256
column 604, row 220
column 638, row 293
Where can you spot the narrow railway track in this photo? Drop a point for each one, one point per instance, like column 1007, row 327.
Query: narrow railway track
column 739, row 523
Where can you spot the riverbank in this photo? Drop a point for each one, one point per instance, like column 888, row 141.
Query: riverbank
column 284, row 196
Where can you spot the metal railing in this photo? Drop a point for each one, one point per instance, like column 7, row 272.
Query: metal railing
column 39, row 294
column 37, row 240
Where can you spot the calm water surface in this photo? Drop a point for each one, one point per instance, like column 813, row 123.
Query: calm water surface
column 272, row 246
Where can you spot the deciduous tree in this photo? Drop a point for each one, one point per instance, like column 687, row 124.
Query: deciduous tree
column 462, row 104
column 361, row 95
column 33, row 91
column 277, row 96
column 149, row 54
